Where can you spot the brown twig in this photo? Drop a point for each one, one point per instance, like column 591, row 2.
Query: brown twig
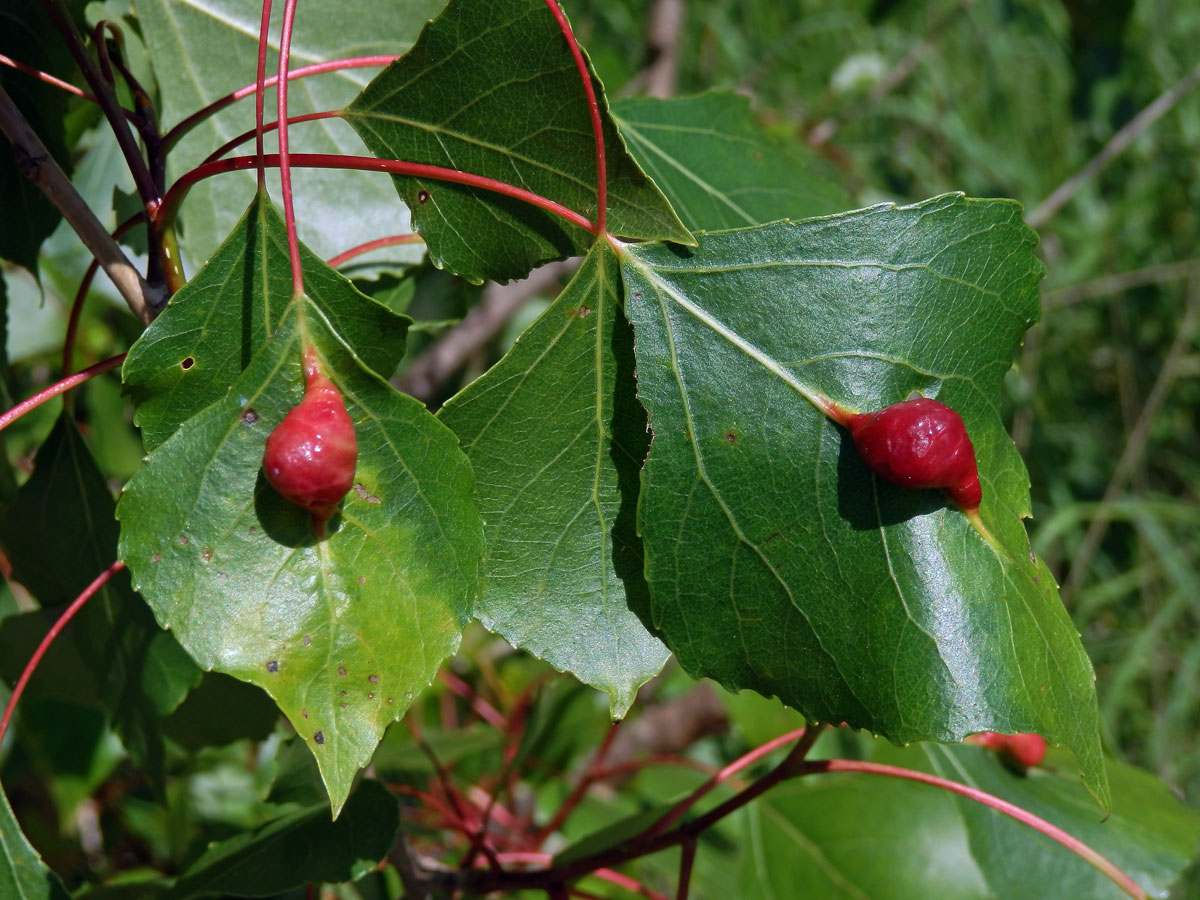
column 500, row 301
column 1118, row 283
column 664, row 31
column 107, row 99
column 1136, row 443
column 36, row 164
column 1159, row 107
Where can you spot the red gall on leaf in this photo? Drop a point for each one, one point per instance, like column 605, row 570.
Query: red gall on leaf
column 919, row 443
column 311, row 454
column 1023, row 750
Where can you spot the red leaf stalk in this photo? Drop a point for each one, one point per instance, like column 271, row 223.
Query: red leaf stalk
column 57, row 388
column 594, row 108
column 1076, row 846
column 69, row 613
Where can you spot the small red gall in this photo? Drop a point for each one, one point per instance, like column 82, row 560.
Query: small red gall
column 311, row 455
column 1023, row 750
column 919, row 443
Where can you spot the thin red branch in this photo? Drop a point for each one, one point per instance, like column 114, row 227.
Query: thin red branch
column 285, row 166
column 68, row 355
column 686, row 860
column 358, row 62
column 1076, row 846
column 581, row 789
column 391, row 241
column 485, row 710
column 69, row 613
column 269, row 126
column 49, row 79
column 107, row 99
column 57, row 388
column 260, row 81
column 594, row 108
column 175, row 195
column 748, row 759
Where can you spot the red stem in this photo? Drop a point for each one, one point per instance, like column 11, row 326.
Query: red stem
column 260, row 82
column 581, row 789
column 391, row 241
column 722, row 776
column 285, row 165
column 1076, row 846
column 50, row 79
column 57, row 388
column 358, row 62
column 594, row 108
column 98, row 582
column 269, row 126
column 68, row 357
column 485, row 710
column 686, row 859
column 166, row 212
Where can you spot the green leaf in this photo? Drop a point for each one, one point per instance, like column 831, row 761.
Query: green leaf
column 296, row 849
column 60, row 534
column 203, row 51
column 719, row 168
column 23, row 875
column 855, row 838
column 492, row 89
column 775, row 559
column 219, row 711
column 188, row 359
column 342, row 631
column 557, row 437
column 1150, row 835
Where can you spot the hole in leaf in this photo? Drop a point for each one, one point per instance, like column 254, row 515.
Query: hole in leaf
column 370, row 695
column 187, row 363
column 273, row 666
column 249, row 417
column 423, row 197
column 319, row 737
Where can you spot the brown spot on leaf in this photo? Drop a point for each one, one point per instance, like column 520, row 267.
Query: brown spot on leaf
column 370, row 695
column 374, row 679
column 206, row 554
column 249, row 417
column 363, row 494
column 362, row 579
column 307, row 641
column 423, row 196
column 342, row 671
column 183, row 540
column 584, row 311
column 273, row 666
column 304, row 712
column 319, row 737
column 157, row 557
column 731, row 436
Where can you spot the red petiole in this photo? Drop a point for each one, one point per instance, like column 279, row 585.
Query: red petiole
column 170, row 205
